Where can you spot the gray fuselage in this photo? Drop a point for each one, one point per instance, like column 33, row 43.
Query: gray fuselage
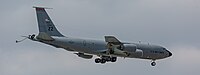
column 96, row 47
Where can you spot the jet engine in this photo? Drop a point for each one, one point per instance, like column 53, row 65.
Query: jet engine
column 82, row 55
column 129, row 48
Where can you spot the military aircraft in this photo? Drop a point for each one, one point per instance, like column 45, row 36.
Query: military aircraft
column 107, row 50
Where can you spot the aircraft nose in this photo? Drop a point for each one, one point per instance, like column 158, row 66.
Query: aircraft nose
column 169, row 53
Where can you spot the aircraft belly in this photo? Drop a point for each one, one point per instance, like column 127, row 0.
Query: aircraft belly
column 81, row 45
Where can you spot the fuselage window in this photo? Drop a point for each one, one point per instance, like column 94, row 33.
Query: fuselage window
column 84, row 43
column 71, row 42
column 160, row 52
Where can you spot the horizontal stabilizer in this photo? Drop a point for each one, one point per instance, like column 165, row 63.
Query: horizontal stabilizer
column 44, row 36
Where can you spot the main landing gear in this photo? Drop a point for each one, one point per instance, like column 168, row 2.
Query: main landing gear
column 103, row 60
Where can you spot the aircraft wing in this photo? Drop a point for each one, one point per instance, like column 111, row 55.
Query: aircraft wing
column 101, row 51
column 112, row 39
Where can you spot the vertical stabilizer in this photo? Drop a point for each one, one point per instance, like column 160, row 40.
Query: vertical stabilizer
column 45, row 23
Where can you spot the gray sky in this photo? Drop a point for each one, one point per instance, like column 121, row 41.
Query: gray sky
column 173, row 24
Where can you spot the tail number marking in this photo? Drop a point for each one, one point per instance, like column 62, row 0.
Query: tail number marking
column 50, row 29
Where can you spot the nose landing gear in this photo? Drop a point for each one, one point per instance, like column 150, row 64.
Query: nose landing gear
column 153, row 63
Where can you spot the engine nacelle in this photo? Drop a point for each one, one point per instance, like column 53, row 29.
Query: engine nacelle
column 82, row 55
column 129, row 48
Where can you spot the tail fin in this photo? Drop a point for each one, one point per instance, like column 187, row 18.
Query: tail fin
column 45, row 23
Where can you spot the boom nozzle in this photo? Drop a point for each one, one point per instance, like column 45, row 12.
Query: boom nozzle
column 25, row 37
column 31, row 37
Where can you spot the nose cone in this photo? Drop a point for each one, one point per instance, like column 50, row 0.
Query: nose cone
column 169, row 53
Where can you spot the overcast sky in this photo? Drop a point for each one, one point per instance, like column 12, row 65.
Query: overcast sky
column 174, row 24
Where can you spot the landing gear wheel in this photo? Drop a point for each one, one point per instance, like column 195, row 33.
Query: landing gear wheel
column 97, row 60
column 153, row 63
column 113, row 59
column 103, row 61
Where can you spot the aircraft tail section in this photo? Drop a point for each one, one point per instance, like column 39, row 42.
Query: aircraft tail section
column 45, row 23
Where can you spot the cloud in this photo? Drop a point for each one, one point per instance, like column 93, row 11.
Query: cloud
column 187, row 55
column 185, row 60
column 36, row 61
column 170, row 23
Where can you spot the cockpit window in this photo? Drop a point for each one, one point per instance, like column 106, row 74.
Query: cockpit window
column 164, row 49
